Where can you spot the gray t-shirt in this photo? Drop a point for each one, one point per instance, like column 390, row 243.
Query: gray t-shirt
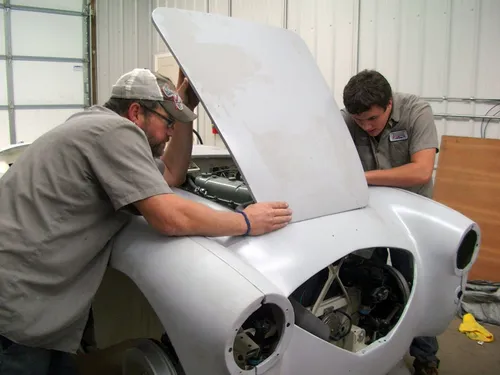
column 61, row 203
column 411, row 128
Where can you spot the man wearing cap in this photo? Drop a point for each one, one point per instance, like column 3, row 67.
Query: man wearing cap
column 397, row 142
column 73, row 189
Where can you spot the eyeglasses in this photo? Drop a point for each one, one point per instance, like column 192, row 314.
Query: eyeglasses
column 169, row 121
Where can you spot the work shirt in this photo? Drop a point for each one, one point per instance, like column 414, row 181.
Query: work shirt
column 410, row 129
column 61, row 203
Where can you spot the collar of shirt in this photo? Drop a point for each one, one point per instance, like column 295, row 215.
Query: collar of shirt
column 396, row 111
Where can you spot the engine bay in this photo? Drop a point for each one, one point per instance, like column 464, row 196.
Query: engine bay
column 351, row 304
column 213, row 175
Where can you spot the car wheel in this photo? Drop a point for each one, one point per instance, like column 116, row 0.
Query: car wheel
column 147, row 357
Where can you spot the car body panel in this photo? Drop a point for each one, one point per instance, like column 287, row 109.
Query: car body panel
column 276, row 264
column 205, row 290
column 273, row 109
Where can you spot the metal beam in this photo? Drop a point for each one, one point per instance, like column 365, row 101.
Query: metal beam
column 285, row 14
column 26, row 8
column 467, row 117
column 10, row 74
column 86, row 54
column 453, row 99
column 7, row 56
column 42, row 106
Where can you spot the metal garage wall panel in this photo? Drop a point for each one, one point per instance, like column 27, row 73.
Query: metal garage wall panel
column 38, row 82
column 2, row 28
column 329, row 28
column 434, row 54
column 380, row 37
column 464, row 37
column 4, row 100
column 220, row 6
column 34, row 122
column 4, row 129
column 197, row 5
column 488, row 79
column 72, row 5
column 438, row 49
column 488, row 63
column 269, row 12
column 43, row 34
column 411, row 49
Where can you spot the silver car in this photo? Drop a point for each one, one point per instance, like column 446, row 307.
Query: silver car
column 309, row 298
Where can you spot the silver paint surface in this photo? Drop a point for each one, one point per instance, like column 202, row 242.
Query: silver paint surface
column 272, row 107
column 240, row 72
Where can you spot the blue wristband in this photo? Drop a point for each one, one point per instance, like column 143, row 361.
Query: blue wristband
column 249, row 227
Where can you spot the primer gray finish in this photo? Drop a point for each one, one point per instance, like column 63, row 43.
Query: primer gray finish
column 228, row 282
column 203, row 289
column 273, row 109
column 227, row 278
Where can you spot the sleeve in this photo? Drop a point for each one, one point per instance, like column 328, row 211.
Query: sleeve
column 423, row 131
column 123, row 165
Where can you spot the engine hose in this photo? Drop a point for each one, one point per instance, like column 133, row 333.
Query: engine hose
column 198, row 136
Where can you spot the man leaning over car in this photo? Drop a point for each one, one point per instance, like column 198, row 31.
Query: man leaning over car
column 397, row 142
column 73, row 189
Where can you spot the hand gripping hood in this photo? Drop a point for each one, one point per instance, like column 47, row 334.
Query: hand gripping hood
column 273, row 109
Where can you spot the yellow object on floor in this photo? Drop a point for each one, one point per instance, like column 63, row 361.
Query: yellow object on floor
column 474, row 330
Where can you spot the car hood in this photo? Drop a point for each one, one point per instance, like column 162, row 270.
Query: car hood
column 265, row 94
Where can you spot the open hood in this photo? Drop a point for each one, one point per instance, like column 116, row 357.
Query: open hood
column 264, row 92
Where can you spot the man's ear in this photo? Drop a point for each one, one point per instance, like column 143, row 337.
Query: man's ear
column 133, row 112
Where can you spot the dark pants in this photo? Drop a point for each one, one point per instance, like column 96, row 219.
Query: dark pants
column 18, row 359
column 424, row 348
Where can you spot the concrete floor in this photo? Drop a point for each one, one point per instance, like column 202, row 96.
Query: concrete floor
column 460, row 355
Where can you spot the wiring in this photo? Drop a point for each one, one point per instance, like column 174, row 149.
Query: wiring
column 483, row 134
column 198, row 136
column 483, row 127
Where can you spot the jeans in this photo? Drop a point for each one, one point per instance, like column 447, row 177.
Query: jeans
column 16, row 359
column 425, row 348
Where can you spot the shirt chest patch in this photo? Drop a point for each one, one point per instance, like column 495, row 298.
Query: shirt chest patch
column 397, row 136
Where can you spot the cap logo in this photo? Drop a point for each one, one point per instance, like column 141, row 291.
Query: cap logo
column 174, row 97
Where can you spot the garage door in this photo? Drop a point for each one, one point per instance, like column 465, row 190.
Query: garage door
column 44, row 66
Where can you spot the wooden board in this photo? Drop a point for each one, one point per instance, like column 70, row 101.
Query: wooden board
column 468, row 180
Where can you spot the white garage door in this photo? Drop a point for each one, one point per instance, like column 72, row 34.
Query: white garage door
column 44, row 65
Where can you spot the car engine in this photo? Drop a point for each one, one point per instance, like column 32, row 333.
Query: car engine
column 353, row 302
column 217, row 178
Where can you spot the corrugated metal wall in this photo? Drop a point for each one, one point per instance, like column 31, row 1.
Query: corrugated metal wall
column 435, row 49
column 446, row 48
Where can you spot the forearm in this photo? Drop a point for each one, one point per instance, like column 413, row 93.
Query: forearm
column 176, row 216
column 178, row 154
column 404, row 176
column 201, row 220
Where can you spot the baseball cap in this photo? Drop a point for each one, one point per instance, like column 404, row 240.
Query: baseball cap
column 142, row 84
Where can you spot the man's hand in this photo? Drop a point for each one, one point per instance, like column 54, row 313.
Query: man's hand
column 177, row 216
column 186, row 92
column 268, row 216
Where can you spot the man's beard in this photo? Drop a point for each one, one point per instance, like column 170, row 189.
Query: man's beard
column 157, row 148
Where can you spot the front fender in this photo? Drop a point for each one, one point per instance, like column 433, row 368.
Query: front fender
column 447, row 245
column 200, row 299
